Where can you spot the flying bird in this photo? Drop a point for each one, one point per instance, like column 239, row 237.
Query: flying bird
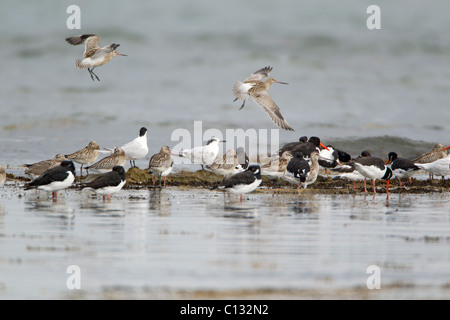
column 255, row 87
column 93, row 56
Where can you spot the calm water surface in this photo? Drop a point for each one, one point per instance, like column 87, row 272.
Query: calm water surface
column 157, row 243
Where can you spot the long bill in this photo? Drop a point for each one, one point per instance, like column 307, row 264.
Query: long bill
column 323, row 146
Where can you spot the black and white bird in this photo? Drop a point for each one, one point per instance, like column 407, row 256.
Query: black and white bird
column 107, row 183
column 54, row 179
column 348, row 171
column 135, row 149
column 291, row 145
column 329, row 158
column 402, row 168
column 300, row 171
column 373, row 168
column 243, row 182
column 306, row 148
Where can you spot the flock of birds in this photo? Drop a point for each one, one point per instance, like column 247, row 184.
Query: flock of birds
column 296, row 162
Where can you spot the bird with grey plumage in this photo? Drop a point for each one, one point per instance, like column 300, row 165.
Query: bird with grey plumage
column 254, row 87
column 2, row 175
column 94, row 55
column 85, row 156
column 117, row 158
column 34, row 170
column 161, row 164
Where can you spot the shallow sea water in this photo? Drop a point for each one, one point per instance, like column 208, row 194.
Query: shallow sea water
column 198, row 243
column 382, row 91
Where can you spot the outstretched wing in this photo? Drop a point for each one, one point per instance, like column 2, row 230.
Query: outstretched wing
column 260, row 74
column 269, row 106
column 91, row 46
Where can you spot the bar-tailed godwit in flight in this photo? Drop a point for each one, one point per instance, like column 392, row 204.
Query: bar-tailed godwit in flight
column 94, row 55
column 161, row 164
column 255, row 87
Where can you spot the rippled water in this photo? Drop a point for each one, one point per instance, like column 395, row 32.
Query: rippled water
column 175, row 241
column 345, row 82
column 384, row 90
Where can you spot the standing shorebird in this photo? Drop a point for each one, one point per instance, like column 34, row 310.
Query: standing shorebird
column 242, row 182
column 203, row 155
column 93, row 56
column 34, row 170
column 108, row 163
column 300, row 171
column 373, row 168
column 108, row 183
column 161, row 164
column 276, row 168
column 137, row 148
column 402, row 168
column 87, row 155
column 348, row 171
column 440, row 167
column 254, row 87
column 54, row 179
column 329, row 158
column 438, row 152
column 2, row 175
column 227, row 165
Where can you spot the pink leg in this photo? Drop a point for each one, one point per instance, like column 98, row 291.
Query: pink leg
column 365, row 189
column 165, row 181
column 374, row 190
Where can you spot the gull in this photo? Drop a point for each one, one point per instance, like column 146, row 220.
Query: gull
column 254, row 87
column 137, row 148
column 93, row 56
column 440, row 167
column 204, row 155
